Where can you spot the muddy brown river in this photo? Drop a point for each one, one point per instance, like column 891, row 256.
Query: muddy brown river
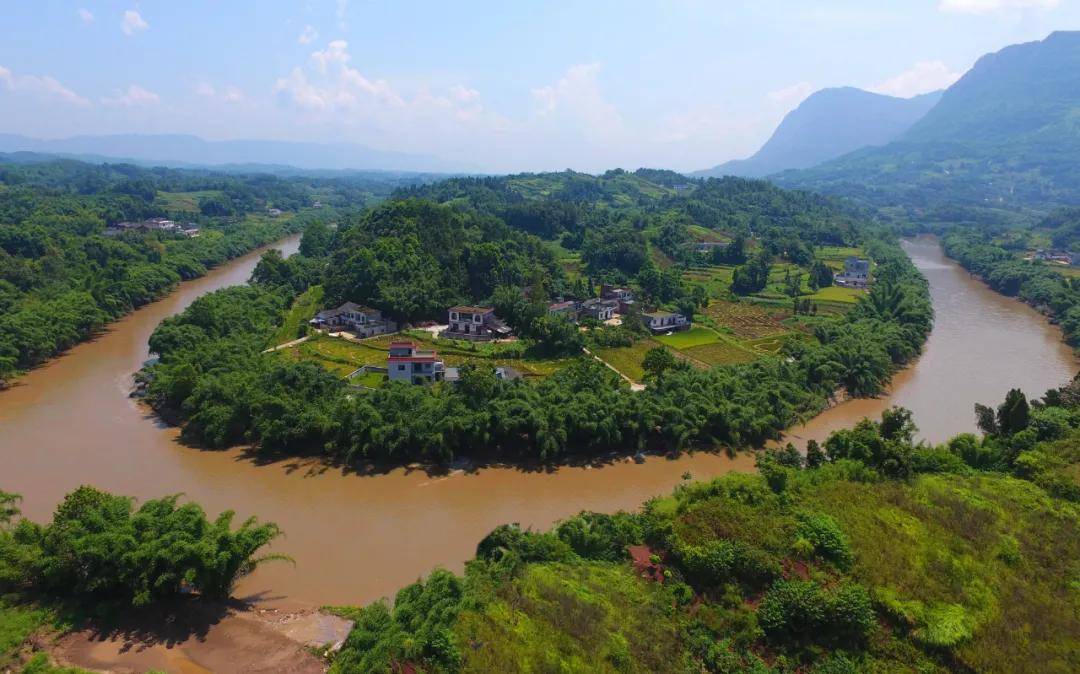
column 355, row 538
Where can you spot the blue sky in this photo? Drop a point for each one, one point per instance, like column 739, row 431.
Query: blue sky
column 500, row 86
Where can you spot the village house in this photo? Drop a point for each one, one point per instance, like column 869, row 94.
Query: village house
column 856, row 273
column 623, row 296
column 153, row 224
column 273, row 212
column 664, row 321
column 707, row 247
column 601, row 310
column 567, row 308
column 409, row 363
column 361, row 321
column 475, row 323
column 1058, row 256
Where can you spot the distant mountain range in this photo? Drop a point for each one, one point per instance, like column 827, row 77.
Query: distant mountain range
column 1004, row 138
column 191, row 151
column 828, row 124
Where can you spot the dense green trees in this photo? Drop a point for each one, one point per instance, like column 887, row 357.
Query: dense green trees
column 100, row 547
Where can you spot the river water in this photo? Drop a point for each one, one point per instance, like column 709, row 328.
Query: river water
column 357, row 538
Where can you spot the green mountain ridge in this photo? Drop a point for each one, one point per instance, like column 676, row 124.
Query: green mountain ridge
column 1000, row 147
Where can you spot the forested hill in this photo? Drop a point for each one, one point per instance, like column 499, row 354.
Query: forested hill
column 1001, row 146
column 547, row 203
column 828, row 124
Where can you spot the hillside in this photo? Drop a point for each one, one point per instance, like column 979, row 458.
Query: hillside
column 828, row 124
column 1000, row 147
column 874, row 556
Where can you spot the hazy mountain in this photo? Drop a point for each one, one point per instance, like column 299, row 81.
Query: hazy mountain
column 830, row 123
column 1004, row 138
column 184, row 150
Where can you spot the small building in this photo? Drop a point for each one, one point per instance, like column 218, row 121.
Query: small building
column 664, row 321
column 856, row 273
column 682, row 189
column 707, row 247
column 475, row 323
column 624, row 297
column 601, row 310
column 1057, row 256
column 407, row 362
column 359, row 320
column 567, row 308
column 273, row 212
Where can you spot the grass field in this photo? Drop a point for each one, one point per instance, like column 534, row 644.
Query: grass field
column 344, row 356
column 745, row 319
column 722, row 352
column 183, row 202
column 627, row 359
column 695, row 336
column 302, row 310
column 837, row 294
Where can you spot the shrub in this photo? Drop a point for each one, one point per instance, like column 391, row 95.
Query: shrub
column 800, row 610
column 600, row 536
column 828, row 541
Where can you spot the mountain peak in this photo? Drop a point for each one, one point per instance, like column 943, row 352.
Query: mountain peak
column 829, row 123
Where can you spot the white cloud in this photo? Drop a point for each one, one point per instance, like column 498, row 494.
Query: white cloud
column 308, row 35
column 923, row 77
column 133, row 22
column 995, row 6
column 232, row 94
column 791, row 96
column 329, row 83
column 85, row 14
column 205, row 89
column 133, row 97
column 42, row 86
column 576, row 97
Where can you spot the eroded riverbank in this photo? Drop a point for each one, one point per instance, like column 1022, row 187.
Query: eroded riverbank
column 356, row 538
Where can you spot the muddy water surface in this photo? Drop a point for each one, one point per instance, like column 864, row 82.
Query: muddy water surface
column 357, row 538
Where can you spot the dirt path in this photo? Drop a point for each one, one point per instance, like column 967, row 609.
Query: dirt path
column 201, row 638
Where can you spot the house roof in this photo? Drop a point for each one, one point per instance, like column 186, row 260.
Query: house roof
column 559, row 306
column 660, row 314
column 471, row 310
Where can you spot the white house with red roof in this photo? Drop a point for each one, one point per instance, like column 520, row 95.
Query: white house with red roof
column 409, row 363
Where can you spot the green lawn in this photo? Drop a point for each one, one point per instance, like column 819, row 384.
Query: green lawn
column 837, row 294
column 184, row 202
column 302, row 311
column 695, row 336
column 627, row 359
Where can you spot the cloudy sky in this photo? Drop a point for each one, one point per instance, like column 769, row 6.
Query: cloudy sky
column 500, row 86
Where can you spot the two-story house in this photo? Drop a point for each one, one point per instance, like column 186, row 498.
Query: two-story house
column 409, row 363
column 856, row 273
column 664, row 321
column 623, row 296
column 601, row 310
column 359, row 320
column 475, row 323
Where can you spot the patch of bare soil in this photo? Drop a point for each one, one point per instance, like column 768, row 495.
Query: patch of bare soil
column 194, row 637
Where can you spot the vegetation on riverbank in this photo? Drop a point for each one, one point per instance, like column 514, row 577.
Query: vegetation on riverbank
column 996, row 257
column 64, row 275
column 412, row 258
column 101, row 554
column 871, row 554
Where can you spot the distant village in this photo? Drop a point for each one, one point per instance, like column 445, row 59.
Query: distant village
column 153, row 224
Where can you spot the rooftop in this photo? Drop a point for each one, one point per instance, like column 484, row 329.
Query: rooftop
column 471, row 310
